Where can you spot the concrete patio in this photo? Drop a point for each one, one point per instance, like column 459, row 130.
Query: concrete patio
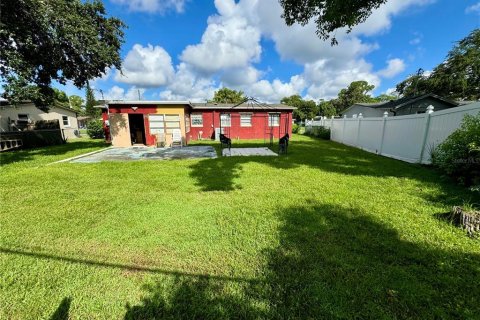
column 148, row 153
column 248, row 152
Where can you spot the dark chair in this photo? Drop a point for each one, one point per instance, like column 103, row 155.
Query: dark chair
column 225, row 141
column 283, row 144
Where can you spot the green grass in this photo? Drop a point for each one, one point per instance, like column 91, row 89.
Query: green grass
column 325, row 232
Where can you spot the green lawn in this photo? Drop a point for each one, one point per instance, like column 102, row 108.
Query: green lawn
column 325, row 232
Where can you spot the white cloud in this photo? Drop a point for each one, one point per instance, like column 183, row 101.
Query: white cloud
column 231, row 46
column 240, row 76
column 187, row 85
column 418, row 37
column 473, row 8
column 118, row 93
column 147, row 67
column 228, row 42
column 153, row 6
column 394, row 67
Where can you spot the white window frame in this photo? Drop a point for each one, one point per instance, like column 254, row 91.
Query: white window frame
column 63, row 121
column 270, row 118
column 196, row 116
column 167, row 129
column 223, row 122
column 249, row 114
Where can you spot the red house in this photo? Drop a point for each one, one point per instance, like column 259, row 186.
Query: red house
column 244, row 121
column 145, row 122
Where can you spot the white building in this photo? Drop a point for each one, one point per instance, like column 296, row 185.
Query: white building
column 14, row 118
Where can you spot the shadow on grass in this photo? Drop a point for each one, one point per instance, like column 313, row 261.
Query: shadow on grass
column 31, row 154
column 331, row 263
column 63, row 310
column 219, row 174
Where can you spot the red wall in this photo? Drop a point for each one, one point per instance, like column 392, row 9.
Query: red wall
column 142, row 109
column 211, row 120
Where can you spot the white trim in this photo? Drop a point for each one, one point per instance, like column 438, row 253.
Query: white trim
column 191, row 119
column 68, row 122
column 147, row 102
column 250, row 117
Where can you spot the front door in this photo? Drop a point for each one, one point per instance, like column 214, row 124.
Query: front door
column 137, row 128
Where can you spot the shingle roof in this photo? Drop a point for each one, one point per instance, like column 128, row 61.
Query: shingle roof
column 242, row 106
column 402, row 102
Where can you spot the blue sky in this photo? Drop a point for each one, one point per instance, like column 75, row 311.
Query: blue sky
column 187, row 49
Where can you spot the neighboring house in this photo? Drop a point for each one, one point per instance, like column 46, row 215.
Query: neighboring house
column 15, row 118
column 399, row 107
column 144, row 122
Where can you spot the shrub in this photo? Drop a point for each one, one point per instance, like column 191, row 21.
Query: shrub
column 295, row 128
column 459, row 154
column 46, row 124
column 95, row 129
column 319, row 132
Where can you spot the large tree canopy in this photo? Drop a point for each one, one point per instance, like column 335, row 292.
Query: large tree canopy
column 306, row 109
column 357, row 91
column 329, row 15
column 458, row 77
column 55, row 40
column 226, row 95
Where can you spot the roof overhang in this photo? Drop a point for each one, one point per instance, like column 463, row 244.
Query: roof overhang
column 149, row 102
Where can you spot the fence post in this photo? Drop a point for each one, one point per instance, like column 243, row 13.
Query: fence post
column 360, row 117
column 425, row 133
column 343, row 128
column 385, row 116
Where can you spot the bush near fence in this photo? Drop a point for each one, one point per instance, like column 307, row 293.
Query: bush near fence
column 319, row 132
column 35, row 138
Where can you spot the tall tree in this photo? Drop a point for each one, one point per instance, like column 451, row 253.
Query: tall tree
column 458, row 77
column 226, row 95
column 357, row 91
column 326, row 108
column 55, row 40
column 90, row 102
column 76, row 103
column 328, row 15
column 306, row 109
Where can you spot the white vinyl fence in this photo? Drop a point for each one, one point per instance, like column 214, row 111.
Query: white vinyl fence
column 409, row 138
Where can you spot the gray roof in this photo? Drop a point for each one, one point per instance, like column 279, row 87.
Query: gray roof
column 242, row 106
column 402, row 102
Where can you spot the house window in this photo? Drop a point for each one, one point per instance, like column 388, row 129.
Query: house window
column 273, row 119
column 172, row 122
column 157, row 124
column 245, row 120
column 23, row 116
column 163, row 123
column 225, row 120
column 66, row 121
column 197, row 120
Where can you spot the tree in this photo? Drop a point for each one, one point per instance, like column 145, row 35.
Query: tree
column 415, row 84
column 458, row 77
column 55, row 40
column 329, row 15
column 326, row 109
column 60, row 98
column 226, row 95
column 76, row 103
column 384, row 98
column 357, row 91
column 90, row 102
column 306, row 109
